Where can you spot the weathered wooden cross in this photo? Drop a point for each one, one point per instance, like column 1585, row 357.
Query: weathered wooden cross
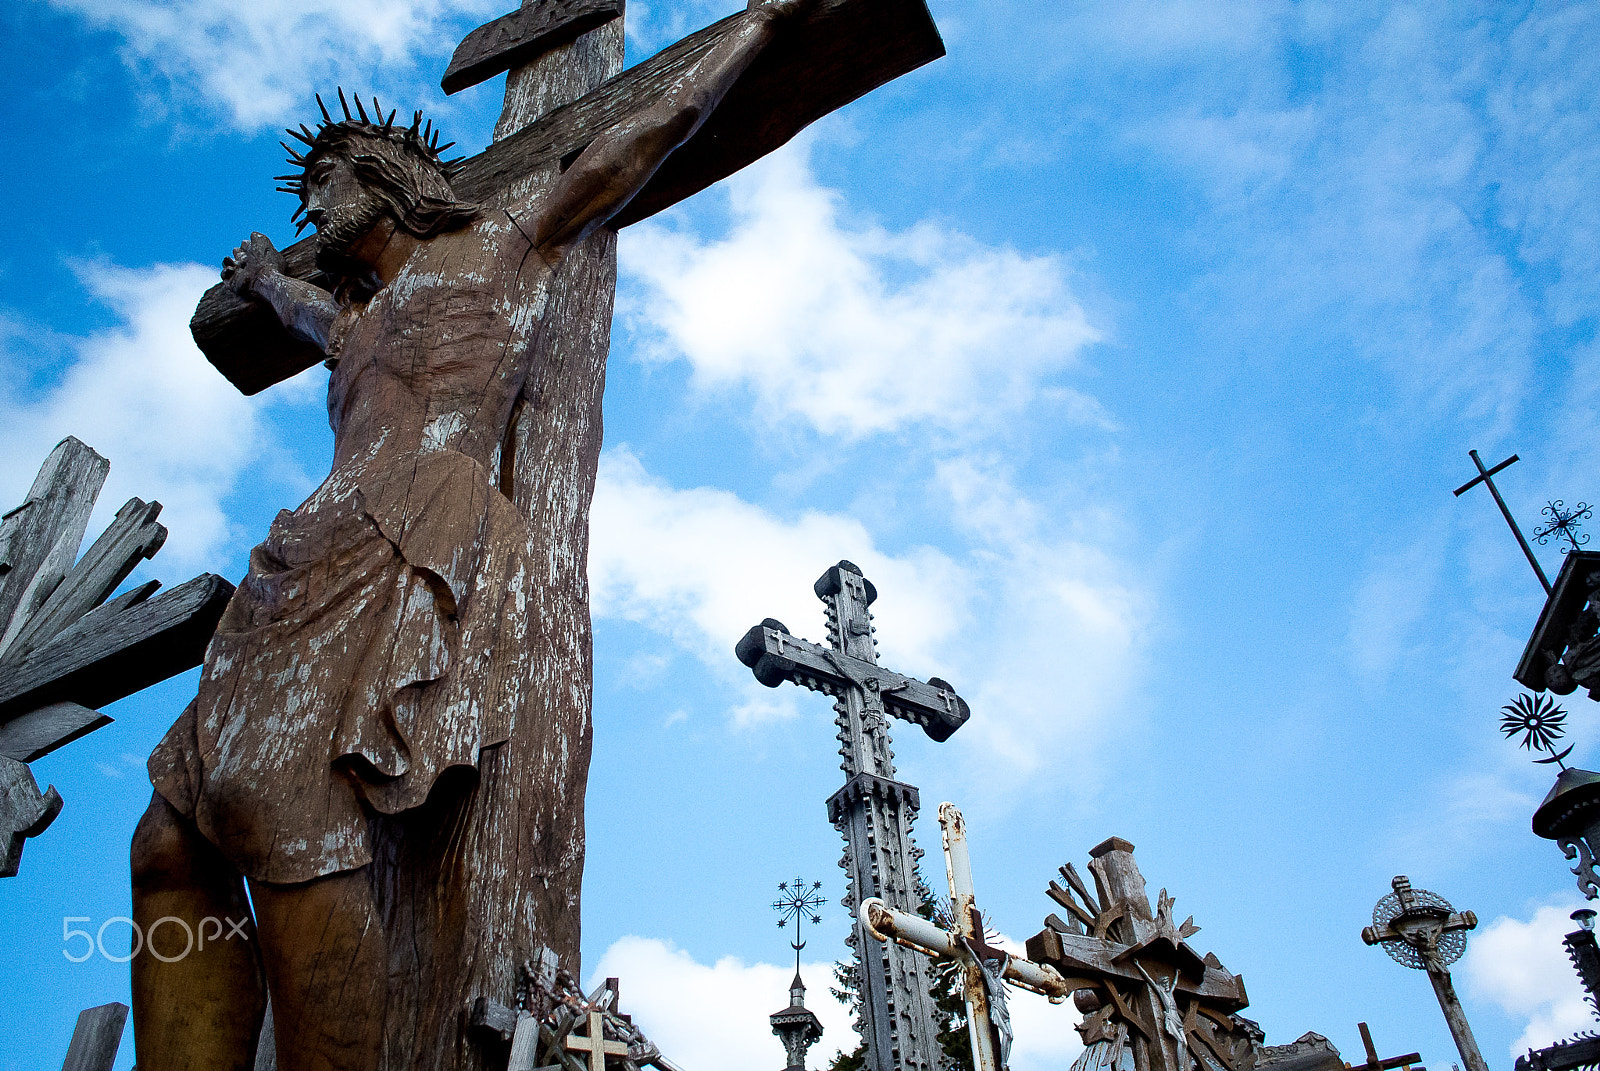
column 844, row 49
column 1135, row 975
column 986, row 968
column 64, row 649
column 875, row 812
column 596, row 1045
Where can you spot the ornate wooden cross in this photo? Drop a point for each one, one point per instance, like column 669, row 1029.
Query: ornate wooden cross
column 986, row 968
column 875, row 812
column 64, row 648
column 1421, row 930
column 1135, row 975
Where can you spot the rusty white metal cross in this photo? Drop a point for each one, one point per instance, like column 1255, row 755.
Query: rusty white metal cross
column 985, row 967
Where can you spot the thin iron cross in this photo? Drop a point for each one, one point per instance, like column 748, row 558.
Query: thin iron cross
column 1486, row 477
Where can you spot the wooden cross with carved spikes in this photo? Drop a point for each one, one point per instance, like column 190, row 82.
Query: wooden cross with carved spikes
column 985, row 967
column 64, row 648
column 1135, row 975
column 841, row 50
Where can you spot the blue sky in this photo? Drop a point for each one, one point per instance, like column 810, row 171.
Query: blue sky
column 1133, row 350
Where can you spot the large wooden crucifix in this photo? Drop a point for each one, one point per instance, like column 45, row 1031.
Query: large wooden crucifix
column 986, row 969
column 66, row 646
column 1135, row 976
column 874, row 811
column 467, row 324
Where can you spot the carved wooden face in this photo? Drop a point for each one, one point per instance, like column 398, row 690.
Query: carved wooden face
column 343, row 208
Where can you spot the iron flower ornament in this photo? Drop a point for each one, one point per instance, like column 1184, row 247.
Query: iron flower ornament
column 1541, row 723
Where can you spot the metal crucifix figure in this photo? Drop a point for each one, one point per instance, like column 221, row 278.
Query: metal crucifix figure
column 986, row 968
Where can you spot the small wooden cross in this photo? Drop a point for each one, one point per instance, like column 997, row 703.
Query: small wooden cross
column 1375, row 1064
column 596, row 1044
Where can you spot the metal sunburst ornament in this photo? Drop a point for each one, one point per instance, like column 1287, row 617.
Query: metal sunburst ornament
column 1564, row 523
column 798, row 902
column 1540, row 722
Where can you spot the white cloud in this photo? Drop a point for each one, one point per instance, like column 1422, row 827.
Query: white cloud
column 256, row 58
column 843, row 324
column 1040, row 633
column 714, row 1018
column 1522, row 967
column 701, row 566
column 143, row 396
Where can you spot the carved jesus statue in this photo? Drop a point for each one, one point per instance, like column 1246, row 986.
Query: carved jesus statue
column 381, row 641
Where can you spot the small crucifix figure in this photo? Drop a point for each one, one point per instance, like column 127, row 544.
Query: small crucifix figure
column 986, row 968
column 1134, row 975
column 1420, row 929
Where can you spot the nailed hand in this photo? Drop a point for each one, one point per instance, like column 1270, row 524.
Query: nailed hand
column 249, row 261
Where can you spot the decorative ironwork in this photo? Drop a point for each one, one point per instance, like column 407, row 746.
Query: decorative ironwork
column 798, row 902
column 1450, row 944
column 1564, row 524
column 1541, row 723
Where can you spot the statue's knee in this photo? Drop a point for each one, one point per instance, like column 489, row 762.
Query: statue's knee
column 163, row 845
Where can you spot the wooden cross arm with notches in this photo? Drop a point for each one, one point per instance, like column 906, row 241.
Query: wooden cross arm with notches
column 840, row 50
column 775, row 656
column 1086, row 962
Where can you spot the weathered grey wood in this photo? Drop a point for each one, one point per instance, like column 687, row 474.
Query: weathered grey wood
column 842, row 50
column 24, row 812
column 132, row 537
column 505, row 871
column 521, row 37
column 39, row 540
column 96, row 1039
column 39, row 732
column 108, row 655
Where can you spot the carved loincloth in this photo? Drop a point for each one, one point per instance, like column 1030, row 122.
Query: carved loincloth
column 379, row 639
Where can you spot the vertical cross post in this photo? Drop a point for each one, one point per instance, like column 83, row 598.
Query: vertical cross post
column 1486, row 477
column 874, row 811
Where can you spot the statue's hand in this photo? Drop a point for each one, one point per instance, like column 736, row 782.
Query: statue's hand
column 782, row 10
column 249, row 261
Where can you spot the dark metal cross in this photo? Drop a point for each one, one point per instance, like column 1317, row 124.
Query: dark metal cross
column 798, row 902
column 1486, row 477
column 1564, row 523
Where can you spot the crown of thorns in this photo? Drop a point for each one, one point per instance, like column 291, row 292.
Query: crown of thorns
column 419, row 139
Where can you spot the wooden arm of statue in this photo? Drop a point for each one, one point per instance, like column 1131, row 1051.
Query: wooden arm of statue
column 612, row 169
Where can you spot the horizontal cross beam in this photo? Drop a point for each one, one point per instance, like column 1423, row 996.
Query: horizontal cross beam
column 116, row 650
column 840, row 51
column 1087, row 961
column 775, row 656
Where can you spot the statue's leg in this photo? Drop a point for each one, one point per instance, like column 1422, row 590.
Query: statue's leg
column 198, row 996
column 327, row 969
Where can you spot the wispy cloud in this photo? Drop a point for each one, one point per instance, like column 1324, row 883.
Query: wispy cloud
column 142, row 395
column 844, row 325
column 254, row 59
column 713, row 1017
column 1522, row 966
column 1040, row 632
